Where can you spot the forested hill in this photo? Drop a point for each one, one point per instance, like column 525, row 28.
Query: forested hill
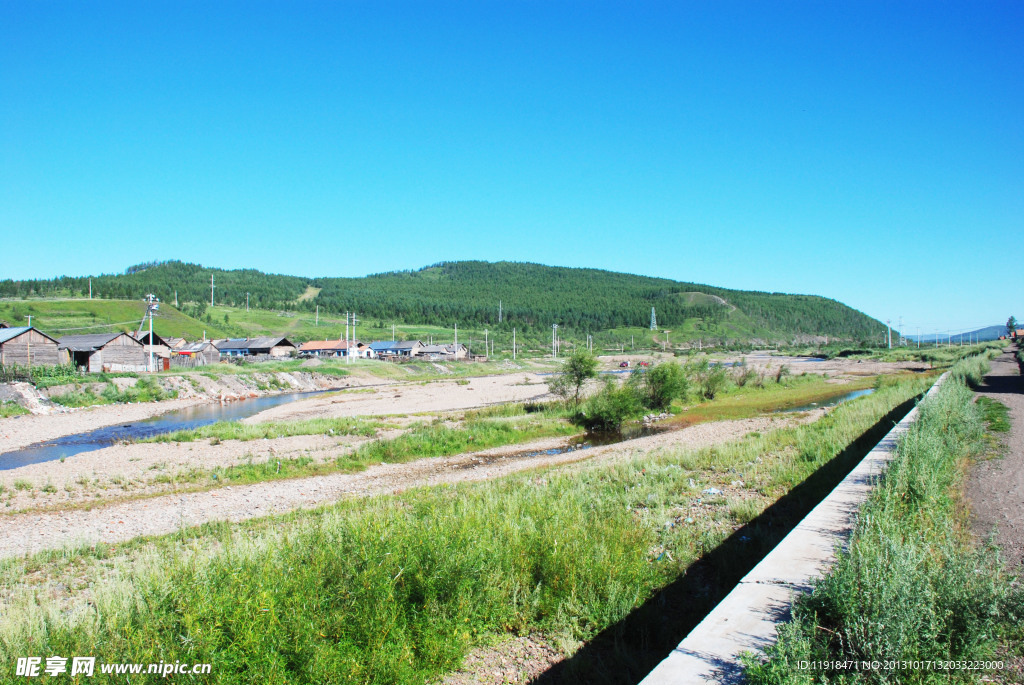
column 531, row 295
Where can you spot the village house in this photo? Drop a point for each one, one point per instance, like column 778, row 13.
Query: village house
column 335, row 348
column 202, row 352
column 175, row 343
column 26, row 346
column 97, row 352
column 396, row 349
column 161, row 348
column 449, row 351
column 249, row 347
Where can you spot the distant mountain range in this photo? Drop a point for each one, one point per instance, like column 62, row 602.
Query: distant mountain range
column 979, row 335
column 527, row 296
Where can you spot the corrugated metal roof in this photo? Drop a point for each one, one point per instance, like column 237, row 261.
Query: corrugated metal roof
column 89, row 342
column 262, row 343
column 384, row 345
column 8, row 333
column 448, row 348
column 194, row 347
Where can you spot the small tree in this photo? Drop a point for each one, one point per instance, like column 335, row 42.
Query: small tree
column 662, row 384
column 580, row 367
column 1011, row 326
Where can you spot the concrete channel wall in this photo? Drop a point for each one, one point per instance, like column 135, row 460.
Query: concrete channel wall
column 746, row 620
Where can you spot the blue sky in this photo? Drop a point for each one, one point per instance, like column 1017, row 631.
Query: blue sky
column 869, row 152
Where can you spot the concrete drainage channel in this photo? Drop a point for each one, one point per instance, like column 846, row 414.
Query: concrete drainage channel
column 746, row 620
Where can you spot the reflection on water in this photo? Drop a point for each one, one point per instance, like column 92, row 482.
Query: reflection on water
column 831, row 402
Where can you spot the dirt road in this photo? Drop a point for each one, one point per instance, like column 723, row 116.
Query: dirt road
column 996, row 487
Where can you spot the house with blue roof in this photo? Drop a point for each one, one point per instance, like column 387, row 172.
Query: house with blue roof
column 396, row 348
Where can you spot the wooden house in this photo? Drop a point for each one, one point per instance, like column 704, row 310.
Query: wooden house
column 161, row 348
column 175, row 343
column 202, row 352
column 26, row 346
column 250, row 347
column 98, row 352
column 449, row 351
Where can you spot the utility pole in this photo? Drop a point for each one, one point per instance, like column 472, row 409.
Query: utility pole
column 152, row 304
column 346, row 333
column 90, row 292
column 888, row 332
column 513, row 344
column 175, row 299
column 918, row 337
column 246, row 300
column 392, row 332
column 485, row 341
column 353, row 343
column 456, row 332
column 499, row 311
column 554, row 348
column 315, row 323
column 211, row 290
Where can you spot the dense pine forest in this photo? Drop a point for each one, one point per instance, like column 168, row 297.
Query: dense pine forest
column 532, row 296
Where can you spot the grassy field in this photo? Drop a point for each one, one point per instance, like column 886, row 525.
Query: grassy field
column 73, row 317
column 235, row 430
column 397, row 589
column 793, row 391
column 913, row 585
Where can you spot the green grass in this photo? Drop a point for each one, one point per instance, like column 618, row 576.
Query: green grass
column 397, row 589
column 750, row 400
column 438, row 440
column 912, row 585
column 235, row 430
column 144, row 390
column 61, row 317
column 995, row 413
column 8, row 409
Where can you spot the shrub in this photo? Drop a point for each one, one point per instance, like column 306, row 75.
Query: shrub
column 662, row 384
column 611, row 407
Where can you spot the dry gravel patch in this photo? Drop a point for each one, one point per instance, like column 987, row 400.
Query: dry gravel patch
column 413, row 398
column 131, row 470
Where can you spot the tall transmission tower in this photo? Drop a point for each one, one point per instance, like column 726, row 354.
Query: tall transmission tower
column 654, row 321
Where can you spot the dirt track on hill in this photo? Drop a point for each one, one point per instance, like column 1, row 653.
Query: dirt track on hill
column 996, row 487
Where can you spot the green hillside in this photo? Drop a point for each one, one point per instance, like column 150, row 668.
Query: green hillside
column 532, row 296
